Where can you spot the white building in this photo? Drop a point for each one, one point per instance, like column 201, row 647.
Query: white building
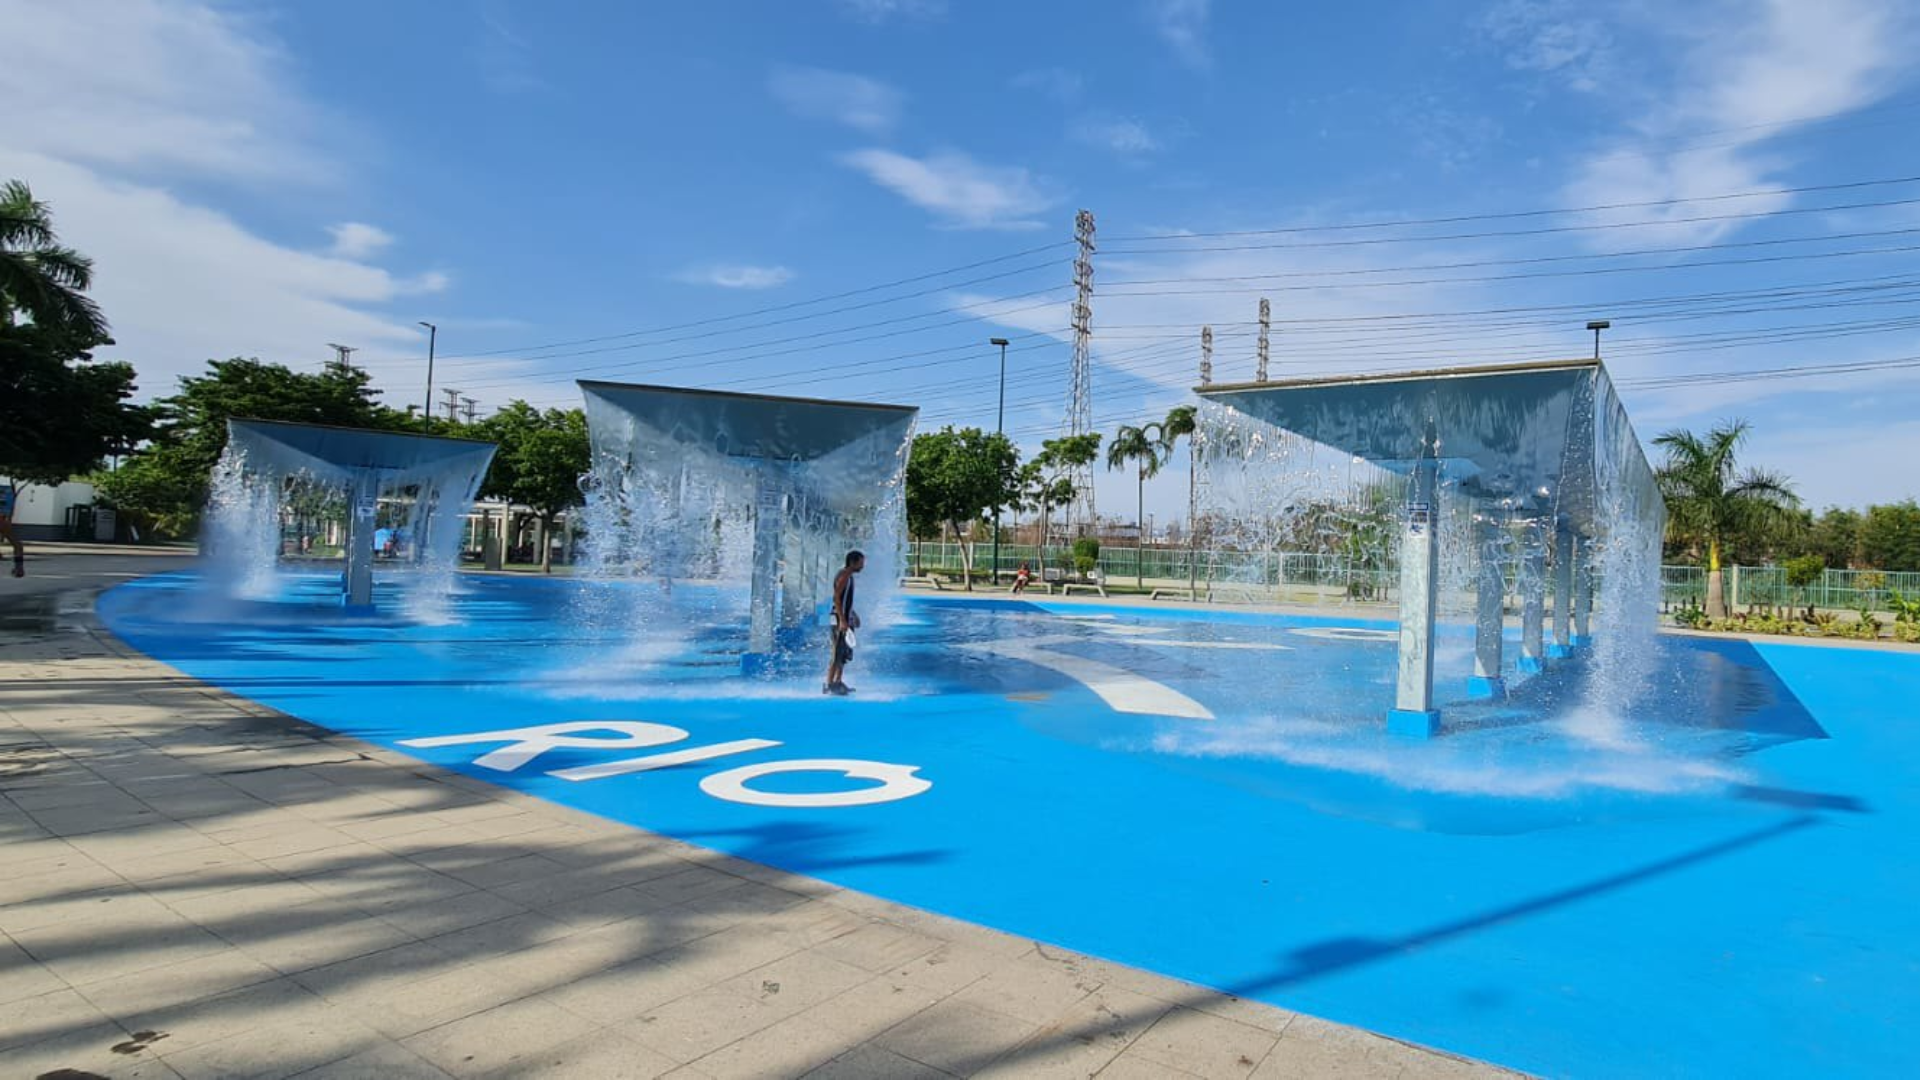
column 44, row 513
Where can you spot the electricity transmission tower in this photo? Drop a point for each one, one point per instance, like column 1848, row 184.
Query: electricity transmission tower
column 342, row 356
column 452, row 404
column 1266, row 313
column 1080, row 512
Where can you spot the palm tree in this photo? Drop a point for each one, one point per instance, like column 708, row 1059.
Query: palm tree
column 1709, row 500
column 1135, row 445
column 1181, row 422
column 38, row 278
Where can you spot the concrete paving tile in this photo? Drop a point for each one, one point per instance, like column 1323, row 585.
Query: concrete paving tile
column 878, row 946
column 956, row 1037
column 687, row 1029
column 792, row 1047
column 1029, row 988
column 177, row 869
column 1084, row 1040
column 365, row 977
column 292, row 943
column 56, row 1012
column 1204, row 1044
column 273, row 1051
column 58, row 909
column 83, row 953
column 602, row 1055
column 499, row 1037
column 796, row 983
column 875, row 1063
column 382, row 1061
column 206, row 1020
column 693, row 883
column 870, row 1008
column 559, row 888
column 442, row 916
column 611, row 906
column 88, row 1052
column 813, row 923
column 178, row 983
column 1130, row 1066
column 21, row 976
column 292, row 842
column 501, row 937
column 1312, row 1047
column 212, row 910
column 490, row 875
column 400, row 1009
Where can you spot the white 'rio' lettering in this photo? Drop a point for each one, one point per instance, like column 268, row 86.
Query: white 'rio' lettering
column 531, row 742
column 896, row 782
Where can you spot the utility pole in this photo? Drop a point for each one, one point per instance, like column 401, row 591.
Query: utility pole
column 1266, row 313
column 452, row 404
column 1206, row 356
column 999, row 429
column 1080, row 393
column 341, row 356
column 433, row 337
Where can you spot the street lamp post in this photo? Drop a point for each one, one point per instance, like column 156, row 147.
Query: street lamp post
column 999, row 428
column 426, row 411
column 1596, row 326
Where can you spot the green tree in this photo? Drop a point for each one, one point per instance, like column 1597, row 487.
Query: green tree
column 538, row 463
column 1710, row 500
column 1834, row 536
column 1140, row 447
column 60, row 413
column 166, row 482
column 1890, row 536
column 1056, row 461
column 954, row 478
column 40, row 280
column 1181, row 423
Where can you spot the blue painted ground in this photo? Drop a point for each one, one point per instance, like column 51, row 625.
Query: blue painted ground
column 1716, row 879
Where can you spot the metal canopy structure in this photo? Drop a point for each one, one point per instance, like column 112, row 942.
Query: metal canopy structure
column 1546, row 444
column 365, row 461
column 816, row 475
column 749, row 425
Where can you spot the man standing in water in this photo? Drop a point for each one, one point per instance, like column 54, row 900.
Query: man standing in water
column 845, row 621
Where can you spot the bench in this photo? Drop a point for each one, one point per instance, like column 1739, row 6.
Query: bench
column 1170, row 594
column 1067, row 588
column 925, row 579
column 1246, row 595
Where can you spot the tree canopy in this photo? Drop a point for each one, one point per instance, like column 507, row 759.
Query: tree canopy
column 60, row 413
column 1710, row 500
column 167, row 481
column 954, row 478
column 539, row 461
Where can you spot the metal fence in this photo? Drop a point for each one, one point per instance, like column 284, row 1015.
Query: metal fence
column 1679, row 585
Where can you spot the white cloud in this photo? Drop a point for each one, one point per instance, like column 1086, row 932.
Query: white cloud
column 1552, row 37
column 357, row 240
column 737, row 276
column 1783, row 61
column 114, row 110
column 145, row 87
column 879, row 11
column 1125, row 137
column 1182, row 24
column 503, row 54
column 961, row 191
column 853, row 100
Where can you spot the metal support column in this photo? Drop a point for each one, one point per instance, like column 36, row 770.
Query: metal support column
column 1533, row 601
column 1564, row 556
column 1583, row 596
column 769, row 526
column 363, row 500
column 1413, row 713
column 1489, row 622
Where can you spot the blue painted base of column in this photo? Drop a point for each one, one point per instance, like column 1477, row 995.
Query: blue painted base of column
column 1581, row 641
column 1530, row 665
column 759, row 663
column 1486, row 688
column 1413, row 723
column 1557, row 651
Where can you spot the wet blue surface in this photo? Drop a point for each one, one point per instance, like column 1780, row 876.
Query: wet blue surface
column 1716, row 878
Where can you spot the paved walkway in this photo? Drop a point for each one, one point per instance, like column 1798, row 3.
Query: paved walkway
column 196, row 886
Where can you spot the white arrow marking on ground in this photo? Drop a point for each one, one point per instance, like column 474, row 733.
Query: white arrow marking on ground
column 1119, row 688
column 1257, row 645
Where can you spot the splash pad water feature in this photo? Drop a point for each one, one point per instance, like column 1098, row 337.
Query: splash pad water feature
column 698, row 485
column 1534, row 888
column 1506, row 466
column 269, row 465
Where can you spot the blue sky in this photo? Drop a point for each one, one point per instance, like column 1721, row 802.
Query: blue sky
column 261, row 178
